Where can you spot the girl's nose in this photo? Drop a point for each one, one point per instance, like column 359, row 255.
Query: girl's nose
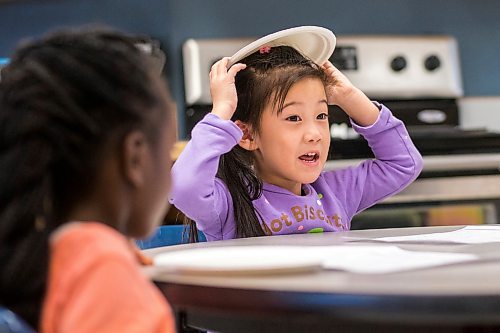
column 313, row 134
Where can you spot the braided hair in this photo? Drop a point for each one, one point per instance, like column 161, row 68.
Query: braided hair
column 62, row 98
column 267, row 78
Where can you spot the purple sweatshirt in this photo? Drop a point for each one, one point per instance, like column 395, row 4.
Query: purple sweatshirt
column 328, row 204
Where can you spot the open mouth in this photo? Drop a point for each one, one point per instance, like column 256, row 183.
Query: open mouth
column 309, row 157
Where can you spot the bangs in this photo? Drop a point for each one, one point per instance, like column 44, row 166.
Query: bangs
column 267, row 79
column 284, row 78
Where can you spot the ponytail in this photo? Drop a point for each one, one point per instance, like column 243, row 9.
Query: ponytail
column 235, row 169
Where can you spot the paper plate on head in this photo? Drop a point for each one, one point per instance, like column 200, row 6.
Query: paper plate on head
column 315, row 43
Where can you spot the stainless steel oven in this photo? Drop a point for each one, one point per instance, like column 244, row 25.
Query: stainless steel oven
column 418, row 78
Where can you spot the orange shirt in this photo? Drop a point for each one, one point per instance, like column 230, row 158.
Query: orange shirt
column 96, row 285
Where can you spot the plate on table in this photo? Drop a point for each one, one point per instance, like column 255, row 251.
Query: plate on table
column 239, row 260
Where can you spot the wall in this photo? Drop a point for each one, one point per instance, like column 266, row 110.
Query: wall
column 475, row 24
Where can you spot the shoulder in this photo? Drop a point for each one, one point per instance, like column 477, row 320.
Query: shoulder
column 80, row 245
column 94, row 270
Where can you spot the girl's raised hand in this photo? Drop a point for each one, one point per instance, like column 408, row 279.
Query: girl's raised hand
column 222, row 88
column 353, row 101
column 340, row 88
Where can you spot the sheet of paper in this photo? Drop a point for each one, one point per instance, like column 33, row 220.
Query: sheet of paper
column 364, row 259
column 383, row 259
column 477, row 234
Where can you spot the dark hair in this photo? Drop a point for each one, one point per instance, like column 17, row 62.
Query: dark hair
column 62, row 98
column 267, row 78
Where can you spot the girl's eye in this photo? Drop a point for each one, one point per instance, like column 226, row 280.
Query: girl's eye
column 322, row 116
column 293, row 118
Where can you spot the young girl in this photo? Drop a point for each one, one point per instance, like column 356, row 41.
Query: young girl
column 85, row 134
column 254, row 164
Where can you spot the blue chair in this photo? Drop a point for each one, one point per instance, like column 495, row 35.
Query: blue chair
column 168, row 235
column 12, row 323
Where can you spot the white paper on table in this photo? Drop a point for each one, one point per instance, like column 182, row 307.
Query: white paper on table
column 476, row 234
column 383, row 259
column 367, row 259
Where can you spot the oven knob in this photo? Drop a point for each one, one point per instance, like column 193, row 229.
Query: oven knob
column 432, row 63
column 398, row 63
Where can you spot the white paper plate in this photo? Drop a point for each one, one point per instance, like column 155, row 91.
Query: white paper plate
column 238, row 260
column 315, row 43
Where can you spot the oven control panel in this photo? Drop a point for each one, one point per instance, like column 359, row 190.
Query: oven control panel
column 382, row 66
column 401, row 66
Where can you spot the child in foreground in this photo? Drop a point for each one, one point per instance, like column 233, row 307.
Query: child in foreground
column 254, row 165
column 86, row 128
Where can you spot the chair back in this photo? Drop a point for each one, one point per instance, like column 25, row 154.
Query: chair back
column 167, row 235
column 12, row 323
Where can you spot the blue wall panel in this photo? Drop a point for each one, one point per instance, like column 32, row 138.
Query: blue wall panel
column 474, row 23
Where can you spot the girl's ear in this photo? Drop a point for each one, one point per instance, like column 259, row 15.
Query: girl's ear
column 247, row 141
column 135, row 158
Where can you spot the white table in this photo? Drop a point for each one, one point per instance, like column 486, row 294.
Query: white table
column 456, row 298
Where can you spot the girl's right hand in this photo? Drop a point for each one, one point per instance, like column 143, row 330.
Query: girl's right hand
column 222, row 88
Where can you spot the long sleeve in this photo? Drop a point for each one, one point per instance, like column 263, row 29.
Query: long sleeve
column 196, row 191
column 397, row 163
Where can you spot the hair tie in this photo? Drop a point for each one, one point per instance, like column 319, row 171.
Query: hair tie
column 40, row 223
column 264, row 49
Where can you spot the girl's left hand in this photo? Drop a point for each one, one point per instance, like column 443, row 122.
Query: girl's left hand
column 340, row 88
column 349, row 98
